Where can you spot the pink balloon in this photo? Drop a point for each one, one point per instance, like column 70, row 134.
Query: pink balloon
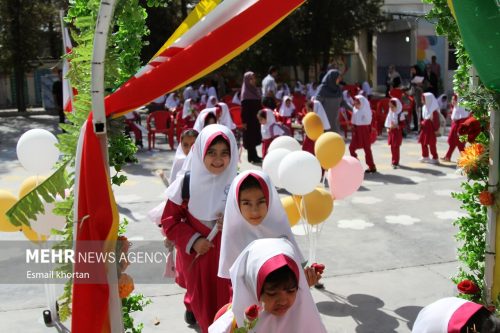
column 346, row 177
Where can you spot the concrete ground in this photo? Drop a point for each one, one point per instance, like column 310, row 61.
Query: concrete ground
column 389, row 249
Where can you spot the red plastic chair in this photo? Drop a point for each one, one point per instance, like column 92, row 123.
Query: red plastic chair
column 381, row 113
column 235, row 113
column 396, row 93
column 299, row 101
column 160, row 122
column 352, row 88
column 345, row 123
column 227, row 99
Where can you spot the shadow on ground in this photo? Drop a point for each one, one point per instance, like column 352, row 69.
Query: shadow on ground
column 367, row 311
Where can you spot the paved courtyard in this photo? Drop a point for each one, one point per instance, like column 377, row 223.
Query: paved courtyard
column 389, row 249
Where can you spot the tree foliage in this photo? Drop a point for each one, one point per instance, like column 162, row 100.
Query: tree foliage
column 480, row 101
column 27, row 36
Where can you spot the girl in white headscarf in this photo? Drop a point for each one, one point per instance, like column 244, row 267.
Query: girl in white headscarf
column 361, row 129
column 269, row 290
column 218, row 114
column 269, row 128
column 395, row 122
column 458, row 116
column 315, row 106
column 287, row 111
column 172, row 101
column 429, row 126
column 193, row 223
column 455, row 315
column 189, row 113
column 212, row 101
column 253, row 211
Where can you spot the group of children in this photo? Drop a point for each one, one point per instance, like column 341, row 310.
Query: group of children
column 233, row 241
column 395, row 123
column 234, row 246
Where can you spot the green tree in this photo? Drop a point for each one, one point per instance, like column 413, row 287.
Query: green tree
column 27, row 34
column 313, row 34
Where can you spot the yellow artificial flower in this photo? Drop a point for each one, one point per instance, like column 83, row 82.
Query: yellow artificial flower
column 471, row 157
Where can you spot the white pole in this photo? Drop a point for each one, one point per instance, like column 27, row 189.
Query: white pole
column 99, row 120
column 492, row 210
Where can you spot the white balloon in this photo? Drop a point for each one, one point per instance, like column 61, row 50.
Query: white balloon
column 36, row 151
column 44, row 223
column 272, row 162
column 299, row 172
column 286, row 142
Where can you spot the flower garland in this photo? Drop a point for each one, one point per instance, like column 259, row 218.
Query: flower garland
column 473, row 162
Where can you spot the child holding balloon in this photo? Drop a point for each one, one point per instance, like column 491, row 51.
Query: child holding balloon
column 192, row 223
column 395, row 122
column 254, row 211
column 361, row 130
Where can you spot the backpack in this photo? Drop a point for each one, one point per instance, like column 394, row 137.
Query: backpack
column 185, row 189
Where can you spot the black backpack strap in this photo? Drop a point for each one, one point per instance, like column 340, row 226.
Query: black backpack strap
column 185, row 188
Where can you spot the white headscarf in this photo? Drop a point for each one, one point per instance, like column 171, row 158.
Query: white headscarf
column 188, row 93
column 208, row 192
column 225, row 117
column 237, row 233
column 447, row 315
column 459, row 112
column 393, row 117
column 265, row 129
column 320, row 111
column 363, row 115
column 236, row 98
column 212, row 101
column 187, row 110
column 203, row 99
column 347, row 98
column 303, row 316
column 284, row 110
column 200, row 120
column 172, row 101
column 430, row 106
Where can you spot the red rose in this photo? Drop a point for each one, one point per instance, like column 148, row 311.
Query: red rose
column 319, row 268
column 471, row 127
column 468, row 287
column 486, row 198
column 252, row 312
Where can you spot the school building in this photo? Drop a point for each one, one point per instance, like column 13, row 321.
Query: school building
column 408, row 39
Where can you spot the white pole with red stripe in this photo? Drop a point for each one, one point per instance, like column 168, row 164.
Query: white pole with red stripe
column 104, row 19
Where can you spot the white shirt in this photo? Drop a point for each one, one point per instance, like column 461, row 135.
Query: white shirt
column 363, row 115
column 269, row 85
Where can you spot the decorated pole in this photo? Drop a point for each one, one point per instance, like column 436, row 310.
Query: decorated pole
column 479, row 22
column 99, row 121
column 492, row 265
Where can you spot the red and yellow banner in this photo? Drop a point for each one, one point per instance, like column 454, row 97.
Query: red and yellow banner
column 207, row 50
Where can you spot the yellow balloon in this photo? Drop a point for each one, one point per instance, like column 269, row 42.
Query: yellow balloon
column 317, row 206
column 329, row 149
column 291, row 210
column 29, row 184
column 7, row 200
column 312, row 126
column 32, row 235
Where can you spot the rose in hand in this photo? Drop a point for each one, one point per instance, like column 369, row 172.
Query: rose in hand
column 319, row 268
column 252, row 312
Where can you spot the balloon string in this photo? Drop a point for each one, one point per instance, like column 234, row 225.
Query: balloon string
column 302, row 217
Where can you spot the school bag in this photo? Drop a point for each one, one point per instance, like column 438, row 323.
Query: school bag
column 185, row 189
